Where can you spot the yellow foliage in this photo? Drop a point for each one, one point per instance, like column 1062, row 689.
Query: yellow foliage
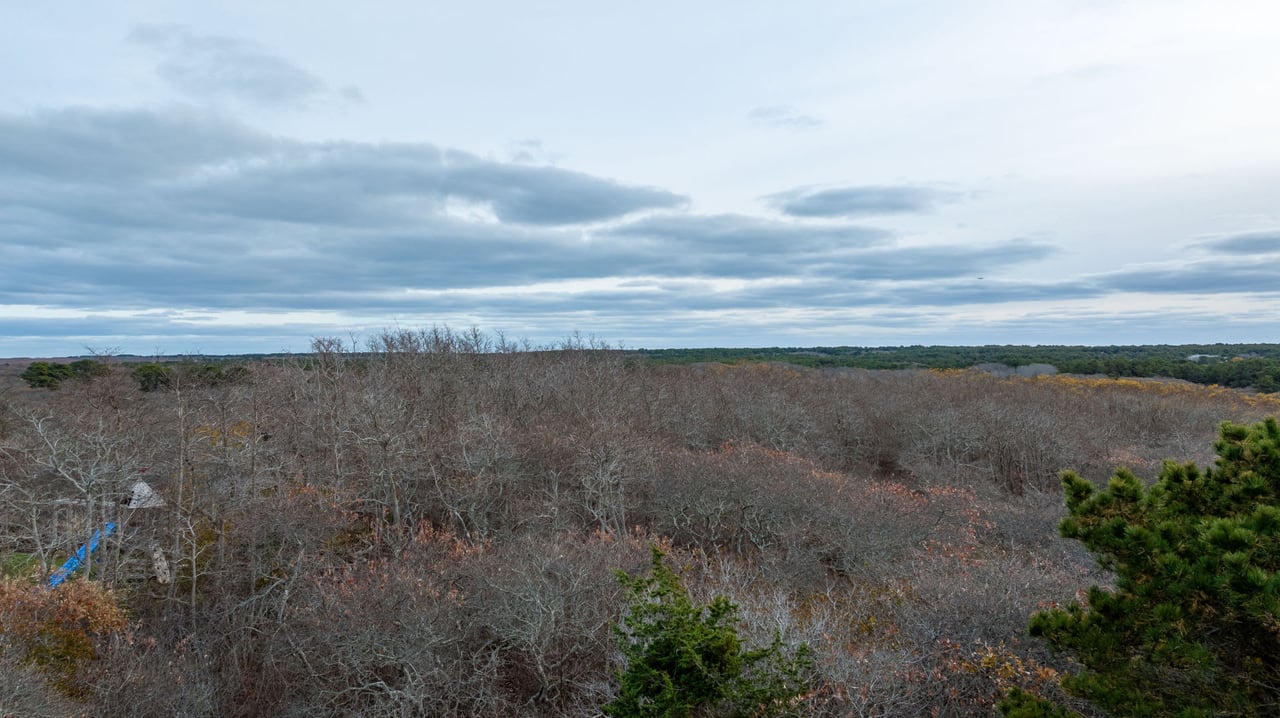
column 1161, row 388
column 58, row 630
column 239, row 435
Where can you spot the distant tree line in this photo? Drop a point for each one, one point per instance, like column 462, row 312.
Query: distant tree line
column 155, row 376
column 150, row 376
column 1234, row 365
column 1239, row 366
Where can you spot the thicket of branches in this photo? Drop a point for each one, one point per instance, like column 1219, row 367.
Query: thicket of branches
column 432, row 525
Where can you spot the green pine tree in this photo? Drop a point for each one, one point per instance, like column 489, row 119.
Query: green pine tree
column 685, row 660
column 1192, row 626
column 45, row 375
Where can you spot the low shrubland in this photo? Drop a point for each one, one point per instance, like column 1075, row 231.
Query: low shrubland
column 433, row 525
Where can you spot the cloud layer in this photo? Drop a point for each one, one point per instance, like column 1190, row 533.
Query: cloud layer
column 783, row 116
column 178, row 207
column 176, row 222
column 859, row 201
column 178, row 225
column 1249, row 243
column 214, row 66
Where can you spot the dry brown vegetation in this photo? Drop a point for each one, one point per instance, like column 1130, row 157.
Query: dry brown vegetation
column 432, row 526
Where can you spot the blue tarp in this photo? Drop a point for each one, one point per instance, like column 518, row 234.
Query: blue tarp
column 78, row 560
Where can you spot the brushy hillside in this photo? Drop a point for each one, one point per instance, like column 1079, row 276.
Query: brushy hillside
column 433, row 525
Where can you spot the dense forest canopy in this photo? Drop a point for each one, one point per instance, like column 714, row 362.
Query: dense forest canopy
column 1255, row 366
column 1243, row 366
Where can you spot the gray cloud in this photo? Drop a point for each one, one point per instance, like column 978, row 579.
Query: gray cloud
column 147, row 334
column 1248, row 243
column 217, row 66
column 545, row 195
column 194, row 164
column 228, row 218
column 803, row 315
column 360, row 183
column 859, row 201
column 742, row 234
column 212, row 214
column 177, row 215
column 1085, row 327
column 958, row 291
column 746, row 246
column 784, row 116
column 1259, row 275
column 814, row 293
column 944, row 262
column 82, row 145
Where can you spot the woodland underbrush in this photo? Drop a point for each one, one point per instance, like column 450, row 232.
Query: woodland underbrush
column 432, row 525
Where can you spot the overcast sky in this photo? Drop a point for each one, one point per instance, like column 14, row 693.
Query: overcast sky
column 183, row 177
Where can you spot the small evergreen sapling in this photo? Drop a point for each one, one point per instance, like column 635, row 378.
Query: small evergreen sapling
column 686, row 660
